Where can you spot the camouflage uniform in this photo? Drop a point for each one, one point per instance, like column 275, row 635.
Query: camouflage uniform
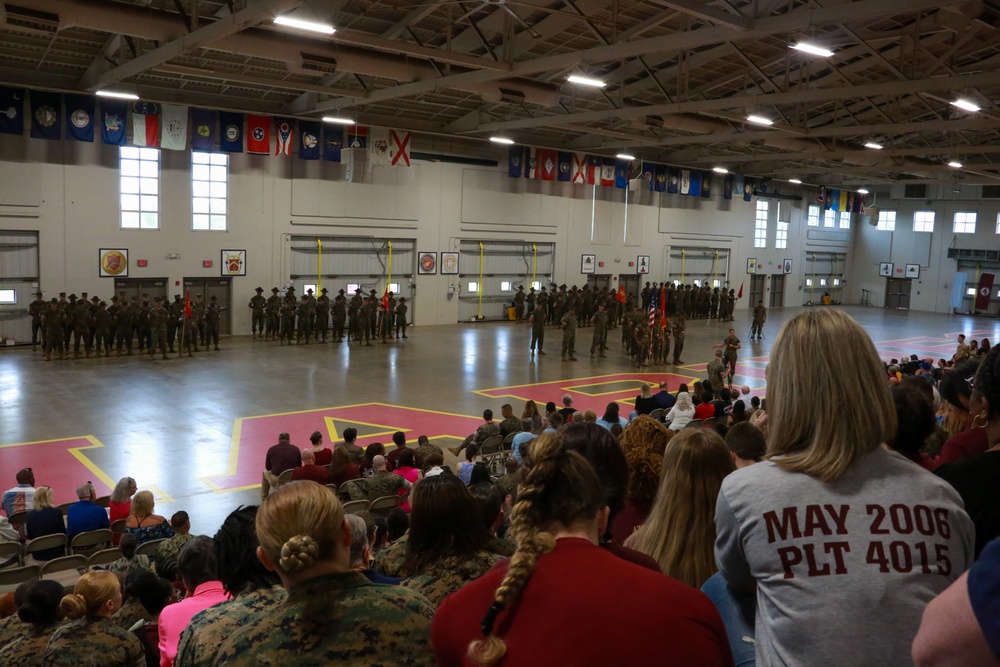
column 339, row 316
column 256, row 306
column 168, row 550
column 27, row 649
column 198, row 316
column 732, row 345
column 93, row 642
column 54, row 322
column 340, row 619
column 401, row 318
column 450, row 574
column 104, row 330
column 423, row 451
column 383, row 483
column 11, row 628
column 176, row 313
column 271, row 308
column 322, row 316
column 131, row 612
column 716, row 374
column 600, row 340
column 679, row 328
column 568, row 326
column 305, row 313
column 123, row 328
column 390, row 560
column 510, row 425
column 287, row 316
column 37, row 310
column 213, row 316
column 199, row 643
column 123, row 567
column 81, row 328
column 158, row 316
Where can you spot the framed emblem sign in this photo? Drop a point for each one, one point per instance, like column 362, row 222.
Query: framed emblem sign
column 449, row 263
column 588, row 263
column 233, row 262
column 113, row 262
column 885, row 269
column 752, row 265
column 642, row 264
column 912, row 271
column 427, row 262
column 786, row 266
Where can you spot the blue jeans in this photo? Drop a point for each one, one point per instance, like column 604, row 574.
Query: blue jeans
column 737, row 610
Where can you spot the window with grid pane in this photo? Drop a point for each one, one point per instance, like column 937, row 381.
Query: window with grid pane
column 886, row 221
column 812, row 216
column 923, row 221
column 781, row 235
column 845, row 219
column 209, row 190
column 139, row 182
column 760, row 224
column 829, row 218
column 965, row 222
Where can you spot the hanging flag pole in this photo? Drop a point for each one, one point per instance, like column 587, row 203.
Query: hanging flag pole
column 319, row 265
column 812, row 288
column 715, row 261
column 534, row 263
column 682, row 265
column 479, row 312
column 389, row 279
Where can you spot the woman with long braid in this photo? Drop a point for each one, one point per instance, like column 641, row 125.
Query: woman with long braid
column 561, row 599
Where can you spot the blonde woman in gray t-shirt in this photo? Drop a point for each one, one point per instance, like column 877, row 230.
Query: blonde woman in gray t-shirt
column 845, row 542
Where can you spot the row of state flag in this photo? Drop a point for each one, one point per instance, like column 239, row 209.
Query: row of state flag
column 553, row 165
column 169, row 126
column 847, row 201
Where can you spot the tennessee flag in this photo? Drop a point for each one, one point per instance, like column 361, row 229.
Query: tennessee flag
column 187, row 305
column 620, row 296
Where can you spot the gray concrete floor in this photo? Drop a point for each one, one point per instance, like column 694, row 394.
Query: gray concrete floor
column 170, row 423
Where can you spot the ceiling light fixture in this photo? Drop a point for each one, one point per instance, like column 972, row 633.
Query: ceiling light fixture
column 874, row 146
column 806, row 47
column 795, row 181
column 720, row 170
column 117, row 95
column 625, row 156
column 862, row 191
column 506, row 141
column 759, row 120
column 309, row 26
column 965, row 105
column 585, row 81
column 338, row 120
column 954, row 164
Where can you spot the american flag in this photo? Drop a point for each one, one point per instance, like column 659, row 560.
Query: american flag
column 654, row 299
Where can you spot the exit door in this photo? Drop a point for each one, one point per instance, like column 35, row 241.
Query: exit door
column 600, row 282
column 897, row 293
column 631, row 284
column 777, row 291
column 222, row 290
column 136, row 287
column 756, row 290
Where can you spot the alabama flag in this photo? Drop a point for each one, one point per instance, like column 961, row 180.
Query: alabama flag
column 145, row 124
column 284, row 128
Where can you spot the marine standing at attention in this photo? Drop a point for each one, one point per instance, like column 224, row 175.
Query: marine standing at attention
column 600, row 340
column 679, row 327
column 537, row 320
column 519, row 302
column 257, row 305
column 158, row 316
column 568, row 326
column 322, row 316
column 731, row 344
column 759, row 317
column 213, row 318
column 36, row 309
column 339, row 316
column 401, row 318
column 271, row 309
column 53, row 322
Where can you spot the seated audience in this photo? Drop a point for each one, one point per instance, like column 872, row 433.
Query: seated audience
column 309, row 471
column 434, row 463
column 280, row 457
column 90, row 638
column 680, row 531
column 550, row 409
column 531, row 412
column 975, row 477
column 664, row 399
column 11, row 626
column 392, row 458
column 611, row 417
column 746, row 444
column 143, row 523
column 645, row 402
column 332, row 615
column 567, row 410
column 522, row 438
column 589, row 417
column 253, row 590
column 480, row 473
column 508, row 615
column 643, row 444
column 961, row 626
column 41, row 616
column 85, row 515
column 494, row 508
column 168, row 549
column 154, row 593
column 21, row 497
column 129, row 561
column 341, row 468
column 367, row 467
column 464, row 468
column 509, row 424
column 131, row 612
column 705, row 409
column 355, row 452
column 424, row 449
column 382, row 482
column 322, row 454
column 361, row 555
column 739, row 413
column 968, row 432
column 510, row 479
column 829, row 476
column 396, row 524
column 121, row 502
column 724, row 404
column 915, row 423
column 8, row 533
column 408, row 470
column 43, row 520
column 488, row 429
column 682, row 413
column 198, row 567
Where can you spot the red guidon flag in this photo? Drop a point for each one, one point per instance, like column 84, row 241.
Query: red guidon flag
column 620, row 296
column 984, row 291
column 385, row 299
column 740, row 294
column 187, row 305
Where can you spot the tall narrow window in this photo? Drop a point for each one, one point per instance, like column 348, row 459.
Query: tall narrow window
column 886, row 221
column 760, row 224
column 812, row 216
column 781, row 235
column 209, row 190
column 829, row 218
column 845, row 219
column 923, row 221
column 139, row 170
column 965, row 222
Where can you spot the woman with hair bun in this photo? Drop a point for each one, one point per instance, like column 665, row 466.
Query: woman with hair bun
column 40, row 611
column 332, row 615
column 92, row 639
column 535, row 609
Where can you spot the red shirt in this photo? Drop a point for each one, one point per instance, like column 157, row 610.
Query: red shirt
column 586, row 607
column 349, row 473
column 963, row 445
column 323, row 457
column 704, row 411
column 312, row 472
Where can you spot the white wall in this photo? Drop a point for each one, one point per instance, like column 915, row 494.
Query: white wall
column 68, row 191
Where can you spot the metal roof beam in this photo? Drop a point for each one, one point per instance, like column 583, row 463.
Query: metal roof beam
column 707, row 13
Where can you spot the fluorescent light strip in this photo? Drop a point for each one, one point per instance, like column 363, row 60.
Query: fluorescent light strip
column 625, row 156
column 117, row 95
column 874, row 146
column 806, row 47
column 966, row 105
column 862, row 191
column 585, row 81
column 338, row 120
column 502, row 140
column 720, row 170
column 955, row 165
column 759, row 120
column 795, row 181
column 310, row 26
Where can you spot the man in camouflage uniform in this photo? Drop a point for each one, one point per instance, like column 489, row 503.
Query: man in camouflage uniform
column 656, row 334
column 104, row 335
column 731, row 305
column 530, row 303
column 375, row 304
column 353, row 310
column 339, row 316
column 484, row 432
column 382, row 482
column 568, row 326
column 255, row 592
column 322, row 321
column 519, row 302
column 731, row 344
column 759, row 317
column 198, row 319
column 600, row 340
column 169, row 548
column 679, row 327
column 158, row 316
column 537, row 320
column 36, row 309
column 213, row 319
column 401, row 318
column 80, row 314
column 189, row 334
column 305, row 316
column 140, row 322
column 717, row 372
column 365, row 315
column 68, row 308
column 54, row 321
column 256, row 306
column 173, row 320
column 642, row 342
column 286, row 314
column 714, row 304
column 271, row 308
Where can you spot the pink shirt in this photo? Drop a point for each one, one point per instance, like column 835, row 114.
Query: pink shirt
column 411, row 475
column 175, row 617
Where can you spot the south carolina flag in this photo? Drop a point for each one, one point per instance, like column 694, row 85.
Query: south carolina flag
column 285, row 129
column 258, row 134
column 145, row 124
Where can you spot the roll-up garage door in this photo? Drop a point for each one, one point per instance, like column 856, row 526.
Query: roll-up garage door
column 697, row 264
column 494, row 272
column 18, row 275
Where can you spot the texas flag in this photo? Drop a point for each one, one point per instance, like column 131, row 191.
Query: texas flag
column 146, row 124
column 258, row 134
